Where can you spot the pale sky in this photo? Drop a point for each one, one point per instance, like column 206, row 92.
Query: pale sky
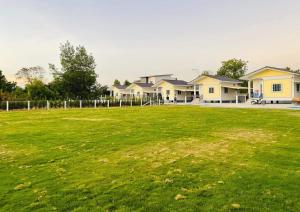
column 131, row 38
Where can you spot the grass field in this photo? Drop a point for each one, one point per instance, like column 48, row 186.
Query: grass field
column 150, row 159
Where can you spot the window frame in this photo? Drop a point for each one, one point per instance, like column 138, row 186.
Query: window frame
column 274, row 87
column 211, row 90
column 298, row 87
column 226, row 90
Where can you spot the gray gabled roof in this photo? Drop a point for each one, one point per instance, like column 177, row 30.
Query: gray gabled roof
column 144, row 85
column 120, row 86
column 176, row 82
column 223, row 78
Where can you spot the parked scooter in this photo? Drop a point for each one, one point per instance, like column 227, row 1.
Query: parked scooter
column 258, row 101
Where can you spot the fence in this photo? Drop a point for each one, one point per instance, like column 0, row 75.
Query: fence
column 65, row 104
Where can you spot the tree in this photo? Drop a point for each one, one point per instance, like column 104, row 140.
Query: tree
column 28, row 74
column 77, row 77
column 205, row 73
column 127, row 83
column 117, row 82
column 6, row 86
column 233, row 68
column 37, row 90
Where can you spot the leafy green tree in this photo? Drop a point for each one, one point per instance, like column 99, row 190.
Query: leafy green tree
column 127, row 83
column 77, row 77
column 37, row 90
column 233, row 68
column 205, row 73
column 117, row 82
column 6, row 85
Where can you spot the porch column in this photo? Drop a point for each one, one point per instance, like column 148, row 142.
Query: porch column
column 220, row 94
column 249, row 88
column 157, row 93
column 236, row 97
column 195, row 92
column 293, row 87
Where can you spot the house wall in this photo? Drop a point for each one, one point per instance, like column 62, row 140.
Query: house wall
column 119, row 93
column 208, row 82
column 285, row 93
column 137, row 91
column 164, row 88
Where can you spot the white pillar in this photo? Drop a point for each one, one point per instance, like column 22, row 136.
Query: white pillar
column 293, row 86
column 95, row 103
column 195, row 92
column 7, row 106
column 48, row 105
column 131, row 102
column 157, row 93
column 249, row 89
column 236, row 97
column 185, row 97
column 28, row 105
column 120, row 102
column 107, row 103
column 150, row 101
column 220, row 94
column 80, row 103
column 159, row 102
column 65, row 104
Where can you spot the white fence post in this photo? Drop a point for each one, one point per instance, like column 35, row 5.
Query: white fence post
column 80, row 103
column 95, row 103
column 150, row 102
column 108, row 103
column 47, row 105
column 7, row 106
column 120, row 102
column 28, row 105
column 159, row 102
column 65, row 105
column 141, row 101
column 131, row 102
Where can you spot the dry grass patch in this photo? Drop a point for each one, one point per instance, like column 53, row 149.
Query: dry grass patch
column 162, row 153
column 250, row 136
column 88, row 119
column 7, row 153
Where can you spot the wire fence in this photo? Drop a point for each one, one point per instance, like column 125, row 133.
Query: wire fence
column 65, row 104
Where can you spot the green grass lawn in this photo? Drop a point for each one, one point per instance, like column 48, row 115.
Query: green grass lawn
column 164, row 158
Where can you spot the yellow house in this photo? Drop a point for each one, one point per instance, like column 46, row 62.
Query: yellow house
column 172, row 90
column 274, row 85
column 214, row 88
column 120, row 91
column 141, row 90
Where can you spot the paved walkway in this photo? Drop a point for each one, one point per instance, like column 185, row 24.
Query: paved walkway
column 243, row 105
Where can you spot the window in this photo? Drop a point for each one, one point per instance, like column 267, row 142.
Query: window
column 138, row 93
column 225, row 90
column 298, row 87
column 168, row 92
column 179, row 92
column 276, row 87
column 211, row 90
